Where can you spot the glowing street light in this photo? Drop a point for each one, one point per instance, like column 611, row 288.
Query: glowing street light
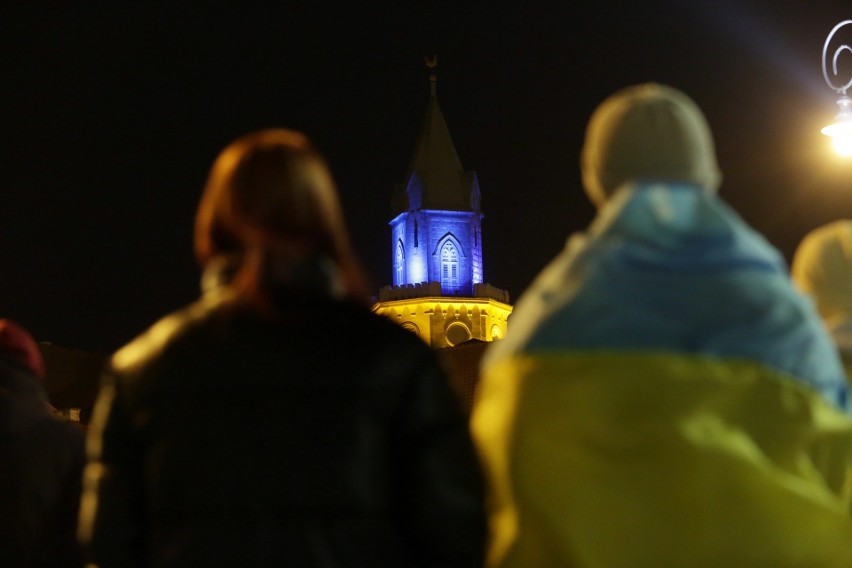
column 841, row 130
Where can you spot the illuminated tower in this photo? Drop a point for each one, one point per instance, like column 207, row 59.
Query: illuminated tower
column 438, row 286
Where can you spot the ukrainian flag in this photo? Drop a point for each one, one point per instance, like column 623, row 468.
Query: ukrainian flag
column 666, row 398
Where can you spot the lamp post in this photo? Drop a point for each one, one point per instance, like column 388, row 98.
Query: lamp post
column 841, row 130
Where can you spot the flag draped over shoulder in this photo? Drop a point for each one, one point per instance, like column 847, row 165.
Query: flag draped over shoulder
column 666, row 398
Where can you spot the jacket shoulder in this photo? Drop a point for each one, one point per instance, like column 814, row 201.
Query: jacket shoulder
column 168, row 331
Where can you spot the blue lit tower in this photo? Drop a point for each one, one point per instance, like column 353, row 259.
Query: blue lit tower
column 438, row 289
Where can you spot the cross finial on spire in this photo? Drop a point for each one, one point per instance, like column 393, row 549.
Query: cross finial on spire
column 431, row 64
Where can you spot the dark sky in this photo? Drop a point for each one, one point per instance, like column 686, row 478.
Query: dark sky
column 112, row 115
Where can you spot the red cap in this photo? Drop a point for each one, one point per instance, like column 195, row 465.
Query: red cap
column 17, row 343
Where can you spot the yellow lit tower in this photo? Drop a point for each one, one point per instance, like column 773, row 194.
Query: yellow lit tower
column 438, row 289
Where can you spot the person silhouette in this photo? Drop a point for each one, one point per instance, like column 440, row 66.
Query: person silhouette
column 822, row 269
column 41, row 462
column 664, row 396
column 278, row 421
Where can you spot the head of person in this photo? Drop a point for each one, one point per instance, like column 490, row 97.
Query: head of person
column 18, row 345
column 647, row 133
column 271, row 207
column 822, row 268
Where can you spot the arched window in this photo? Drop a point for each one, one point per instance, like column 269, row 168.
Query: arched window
column 449, row 267
column 400, row 264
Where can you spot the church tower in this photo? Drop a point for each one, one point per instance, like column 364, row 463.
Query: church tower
column 438, row 289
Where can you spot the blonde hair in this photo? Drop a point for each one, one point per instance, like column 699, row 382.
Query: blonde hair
column 822, row 268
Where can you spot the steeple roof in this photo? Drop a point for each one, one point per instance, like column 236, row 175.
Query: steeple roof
column 436, row 165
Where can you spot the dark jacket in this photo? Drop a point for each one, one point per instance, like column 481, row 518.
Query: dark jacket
column 41, row 461
column 326, row 438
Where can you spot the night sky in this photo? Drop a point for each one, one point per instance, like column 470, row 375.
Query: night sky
column 113, row 114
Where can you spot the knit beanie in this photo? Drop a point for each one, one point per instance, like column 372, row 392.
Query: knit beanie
column 17, row 344
column 647, row 132
column 822, row 268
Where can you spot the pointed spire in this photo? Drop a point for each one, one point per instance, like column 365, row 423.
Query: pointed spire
column 431, row 64
column 435, row 160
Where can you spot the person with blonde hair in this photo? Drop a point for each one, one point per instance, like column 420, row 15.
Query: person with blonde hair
column 277, row 421
column 664, row 396
column 822, row 269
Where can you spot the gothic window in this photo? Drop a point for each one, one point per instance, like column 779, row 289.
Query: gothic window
column 400, row 264
column 415, row 233
column 449, row 267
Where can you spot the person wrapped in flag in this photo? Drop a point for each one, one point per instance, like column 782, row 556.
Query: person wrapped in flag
column 664, row 396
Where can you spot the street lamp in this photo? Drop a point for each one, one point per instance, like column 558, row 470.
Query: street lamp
column 841, row 130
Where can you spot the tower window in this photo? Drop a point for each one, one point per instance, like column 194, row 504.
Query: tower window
column 449, row 267
column 400, row 264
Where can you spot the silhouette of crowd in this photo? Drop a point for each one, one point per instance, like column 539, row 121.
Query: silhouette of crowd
column 666, row 395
